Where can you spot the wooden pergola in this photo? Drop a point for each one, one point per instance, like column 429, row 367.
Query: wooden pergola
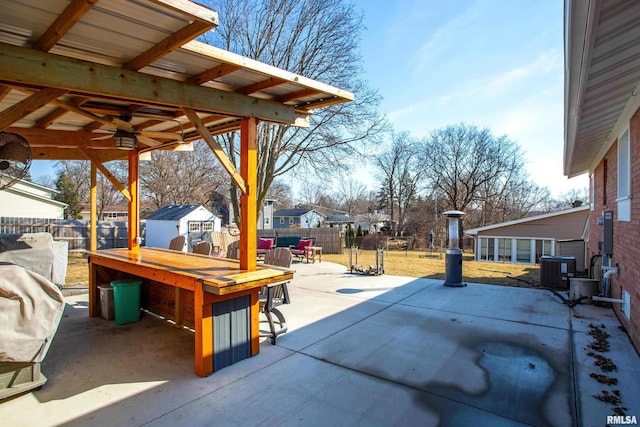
column 75, row 72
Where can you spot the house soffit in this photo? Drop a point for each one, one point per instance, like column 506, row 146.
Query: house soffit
column 602, row 77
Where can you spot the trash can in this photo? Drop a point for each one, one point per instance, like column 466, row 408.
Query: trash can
column 126, row 300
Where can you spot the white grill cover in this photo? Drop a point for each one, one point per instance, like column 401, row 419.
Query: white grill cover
column 30, row 310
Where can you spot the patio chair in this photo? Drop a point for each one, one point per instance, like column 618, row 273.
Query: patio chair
column 274, row 295
column 218, row 246
column 265, row 244
column 177, row 243
column 300, row 250
column 233, row 250
column 203, row 248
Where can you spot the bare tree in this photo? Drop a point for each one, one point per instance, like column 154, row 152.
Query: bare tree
column 317, row 39
column 400, row 174
column 281, row 192
column 179, row 177
column 351, row 194
column 467, row 166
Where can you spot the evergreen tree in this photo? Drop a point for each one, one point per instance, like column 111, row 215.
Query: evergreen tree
column 68, row 193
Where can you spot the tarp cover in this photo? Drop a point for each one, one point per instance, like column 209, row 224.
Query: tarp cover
column 30, row 310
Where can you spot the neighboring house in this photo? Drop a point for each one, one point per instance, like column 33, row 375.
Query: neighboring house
column 373, row 222
column 602, row 138
column 526, row 240
column 109, row 213
column 26, row 199
column 297, row 218
column 339, row 221
column 194, row 222
column 265, row 220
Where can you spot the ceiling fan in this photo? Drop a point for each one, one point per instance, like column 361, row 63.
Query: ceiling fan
column 15, row 158
column 126, row 136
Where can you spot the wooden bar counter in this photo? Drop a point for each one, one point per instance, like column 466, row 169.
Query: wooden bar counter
column 186, row 288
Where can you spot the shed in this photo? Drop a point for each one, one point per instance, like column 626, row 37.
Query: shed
column 194, row 222
column 29, row 200
column 526, row 240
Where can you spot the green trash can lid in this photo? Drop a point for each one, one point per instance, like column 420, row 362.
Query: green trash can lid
column 126, row 282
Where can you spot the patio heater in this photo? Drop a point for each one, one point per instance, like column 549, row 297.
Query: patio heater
column 453, row 259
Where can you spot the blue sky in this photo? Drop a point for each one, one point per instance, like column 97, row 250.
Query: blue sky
column 491, row 63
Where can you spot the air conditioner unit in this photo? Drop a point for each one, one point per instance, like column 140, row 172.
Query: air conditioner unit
column 555, row 271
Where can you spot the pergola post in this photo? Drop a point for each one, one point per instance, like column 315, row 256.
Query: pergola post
column 93, row 203
column 134, row 204
column 248, row 198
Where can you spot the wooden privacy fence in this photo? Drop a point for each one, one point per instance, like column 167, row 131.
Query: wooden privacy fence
column 76, row 232
column 331, row 239
column 113, row 234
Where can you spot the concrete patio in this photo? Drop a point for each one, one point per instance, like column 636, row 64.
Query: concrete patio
column 361, row 350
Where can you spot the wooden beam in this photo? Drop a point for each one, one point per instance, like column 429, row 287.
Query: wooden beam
column 213, row 73
column 217, row 149
column 4, row 91
column 93, row 204
column 87, row 153
column 28, row 105
column 168, row 45
column 248, row 199
column 191, row 9
column 260, row 86
column 27, row 66
column 41, row 138
column 74, row 11
column 294, row 96
column 56, row 153
column 134, row 201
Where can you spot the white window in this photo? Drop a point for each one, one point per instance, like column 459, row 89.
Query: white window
column 486, row 248
column 281, row 220
column 290, row 220
column 207, row 226
column 504, row 250
column 624, row 177
column 194, row 226
column 523, row 250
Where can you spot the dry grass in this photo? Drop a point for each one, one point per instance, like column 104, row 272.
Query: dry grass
column 396, row 263
column 77, row 270
column 421, row 264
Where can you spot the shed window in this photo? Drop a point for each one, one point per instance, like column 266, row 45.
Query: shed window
column 207, row 226
column 194, row 226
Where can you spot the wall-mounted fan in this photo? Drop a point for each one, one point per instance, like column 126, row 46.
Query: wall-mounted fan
column 15, row 158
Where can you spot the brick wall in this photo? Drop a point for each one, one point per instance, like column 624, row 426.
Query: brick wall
column 626, row 235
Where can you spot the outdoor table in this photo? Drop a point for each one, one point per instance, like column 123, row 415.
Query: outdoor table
column 190, row 289
column 311, row 252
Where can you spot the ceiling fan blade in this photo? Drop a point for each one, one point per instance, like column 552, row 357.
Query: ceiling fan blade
column 123, row 125
column 162, row 135
column 148, row 141
column 102, row 136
